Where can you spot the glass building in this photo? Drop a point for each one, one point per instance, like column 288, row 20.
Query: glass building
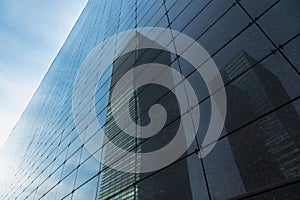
column 256, row 47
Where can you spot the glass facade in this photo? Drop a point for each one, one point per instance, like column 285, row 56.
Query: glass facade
column 255, row 45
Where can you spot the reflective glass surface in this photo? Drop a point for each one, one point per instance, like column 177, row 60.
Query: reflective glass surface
column 255, row 45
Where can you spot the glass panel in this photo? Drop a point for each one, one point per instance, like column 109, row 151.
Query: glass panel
column 284, row 16
column 292, row 50
column 181, row 180
column 257, row 7
column 261, row 154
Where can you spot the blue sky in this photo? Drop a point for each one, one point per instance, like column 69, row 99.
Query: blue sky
column 31, row 34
